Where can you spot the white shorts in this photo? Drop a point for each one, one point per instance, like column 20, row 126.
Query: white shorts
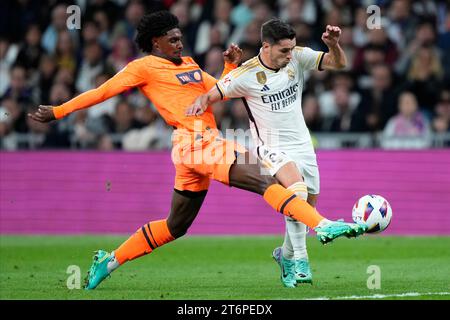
column 307, row 165
column 272, row 160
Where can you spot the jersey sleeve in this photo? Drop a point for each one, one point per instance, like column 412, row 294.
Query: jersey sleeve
column 308, row 58
column 232, row 85
column 210, row 81
column 129, row 77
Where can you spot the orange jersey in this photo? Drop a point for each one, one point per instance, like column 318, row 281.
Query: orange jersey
column 171, row 88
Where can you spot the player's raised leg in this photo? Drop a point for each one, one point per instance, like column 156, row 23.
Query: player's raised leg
column 245, row 174
column 185, row 207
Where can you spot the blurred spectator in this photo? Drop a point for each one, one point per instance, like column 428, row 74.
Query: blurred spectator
column 444, row 41
column 360, row 30
column 346, row 43
column 304, row 35
column 91, row 66
column 441, row 120
column 90, row 32
column 124, row 119
column 372, row 55
column 31, row 51
column 379, row 49
column 424, row 76
column 110, row 8
column 122, row 53
column 343, row 8
column 8, row 55
column 104, row 25
column 65, row 52
column 401, row 22
column 378, row 102
column 105, row 143
column 252, row 34
column 188, row 27
column 409, row 128
column 13, row 117
column 248, row 50
column 133, row 13
column 66, row 77
column 46, row 74
column 214, row 62
column 82, row 136
column 57, row 25
column 248, row 32
column 327, row 100
column 298, row 10
column 153, row 135
column 424, row 37
column 242, row 14
column 16, row 16
column 18, row 88
column 343, row 121
column 311, row 113
column 217, row 30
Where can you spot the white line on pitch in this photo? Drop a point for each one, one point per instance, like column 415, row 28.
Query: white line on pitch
column 382, row 296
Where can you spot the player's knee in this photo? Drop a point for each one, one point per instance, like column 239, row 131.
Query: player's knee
column 265, row 182
column 178, row 228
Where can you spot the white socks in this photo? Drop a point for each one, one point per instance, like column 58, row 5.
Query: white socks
column 113, row 264
column 294, row 245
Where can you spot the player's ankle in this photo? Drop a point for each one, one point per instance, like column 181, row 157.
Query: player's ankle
column 324, row 222
column 113, row 263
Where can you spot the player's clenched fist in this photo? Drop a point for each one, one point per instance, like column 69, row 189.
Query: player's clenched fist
column 233, row 54
column 43, row 114
column 331, row 35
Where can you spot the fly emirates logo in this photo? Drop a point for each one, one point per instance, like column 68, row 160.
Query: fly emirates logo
column 281, row 99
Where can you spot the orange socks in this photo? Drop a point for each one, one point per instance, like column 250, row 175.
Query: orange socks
column 286, row 202
column 144, row 241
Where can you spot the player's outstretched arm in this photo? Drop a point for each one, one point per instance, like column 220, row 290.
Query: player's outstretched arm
column 335, row 58
column 126, row 79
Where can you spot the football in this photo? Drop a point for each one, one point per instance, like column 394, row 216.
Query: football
column 374, row 210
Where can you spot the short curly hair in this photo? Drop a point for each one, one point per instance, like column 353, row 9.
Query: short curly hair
column 154, row 25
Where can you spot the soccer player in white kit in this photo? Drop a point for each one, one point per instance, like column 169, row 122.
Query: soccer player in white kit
column 271, row 85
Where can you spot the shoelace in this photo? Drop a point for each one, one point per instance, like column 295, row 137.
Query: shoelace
column 290, row 266
column 303, row 267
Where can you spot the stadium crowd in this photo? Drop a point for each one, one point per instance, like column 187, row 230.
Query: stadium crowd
column 396, row 81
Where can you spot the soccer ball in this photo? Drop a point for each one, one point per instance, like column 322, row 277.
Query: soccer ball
column 374, row 210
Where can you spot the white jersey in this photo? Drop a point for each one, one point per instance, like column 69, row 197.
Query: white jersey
column 273, row 100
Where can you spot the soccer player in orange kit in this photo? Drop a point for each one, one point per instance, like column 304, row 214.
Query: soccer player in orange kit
column 172, row 82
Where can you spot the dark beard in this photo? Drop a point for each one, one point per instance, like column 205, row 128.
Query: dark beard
column 177, row 60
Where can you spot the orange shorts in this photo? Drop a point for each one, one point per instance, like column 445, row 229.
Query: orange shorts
column 199, row 157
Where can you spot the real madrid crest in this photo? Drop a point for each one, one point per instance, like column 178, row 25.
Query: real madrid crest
column 261, row 77
column 291, row 74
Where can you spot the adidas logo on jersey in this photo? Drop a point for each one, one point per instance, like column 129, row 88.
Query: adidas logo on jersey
column 265, row 88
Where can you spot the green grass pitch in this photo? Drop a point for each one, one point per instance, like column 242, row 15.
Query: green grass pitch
column 35, row 267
